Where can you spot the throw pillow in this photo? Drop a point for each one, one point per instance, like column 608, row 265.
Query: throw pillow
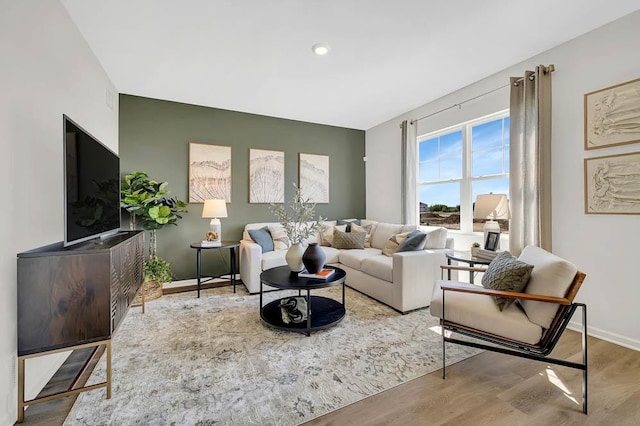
column 366, row 229
column 392, row 244
column 326, row 236
column 506, row 273
column 348, row 222
column 263, row 238
column 415, row 241
column 279, row 237
column 348, row 240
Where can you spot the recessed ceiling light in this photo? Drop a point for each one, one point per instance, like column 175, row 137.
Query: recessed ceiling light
column 320, row 49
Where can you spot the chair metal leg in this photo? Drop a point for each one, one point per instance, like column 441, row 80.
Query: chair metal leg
column 443, row 340
column 584, row 358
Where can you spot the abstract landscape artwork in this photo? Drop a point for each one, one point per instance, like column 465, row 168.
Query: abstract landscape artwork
column 612, row 184
column 209, row 172
column 314, row 177
column 612, row 116
column 266, row 176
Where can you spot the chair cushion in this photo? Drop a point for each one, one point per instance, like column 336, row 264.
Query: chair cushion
column 506, row 273
column 348, row 240
column 480, row 312
column 379, row 267
column 262, row 237
column 382, row 233
column 414, row 242
column 273, row 259
column 551, row 276
column 353, row 258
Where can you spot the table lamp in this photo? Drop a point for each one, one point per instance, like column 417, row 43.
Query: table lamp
column 214, row 209
column 491, row 206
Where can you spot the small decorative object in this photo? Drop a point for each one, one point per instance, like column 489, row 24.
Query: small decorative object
column 293, row 310
column 314, row 177
column 294, row 257
column 209, row 172
column 214, row 209
column 612, row 184
column 313, row 258
column 266, row 176
column 493, row 207
column 611, row 116
column 475, row 247
column 296, row 217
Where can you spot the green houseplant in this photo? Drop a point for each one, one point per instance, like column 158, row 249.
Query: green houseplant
column 149, row 202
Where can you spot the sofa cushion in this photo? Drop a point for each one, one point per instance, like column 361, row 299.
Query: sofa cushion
column 506, row 273
column 273, row 259
column 383, row 232
column 262, row 237
column 378, row 266
column 415, row 241
column 436, row 237
column 353, row 258
column 332, row 254
column 551, row 276
column 392, row 244
column 279, row 236
column 480, row 312
column 348, row 240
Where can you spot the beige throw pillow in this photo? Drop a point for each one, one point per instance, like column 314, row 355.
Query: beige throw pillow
column 392, row 244
column 280, row 238
column 366, row 229
column 348, row 240
column 326, row 236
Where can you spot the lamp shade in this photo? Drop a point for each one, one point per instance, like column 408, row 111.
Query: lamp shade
column 491, row 206
column 214, row 209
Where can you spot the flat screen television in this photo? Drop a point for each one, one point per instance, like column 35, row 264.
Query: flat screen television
column 92, row 186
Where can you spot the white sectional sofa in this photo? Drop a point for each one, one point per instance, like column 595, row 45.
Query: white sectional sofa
column 403, row 281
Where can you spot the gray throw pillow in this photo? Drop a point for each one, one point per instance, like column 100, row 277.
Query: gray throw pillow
column 348, row 240
column 506, row 273
column 414, row 242
column 262, row 237
column 348, row 222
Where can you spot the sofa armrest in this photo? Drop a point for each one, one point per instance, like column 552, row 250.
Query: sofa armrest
column 414, row 274
column 250, row 265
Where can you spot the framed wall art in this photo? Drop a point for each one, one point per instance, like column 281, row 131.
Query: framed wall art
column 209, row 172
column 612, row 116
column 266, row 176
column 612, row 184
column 313, row 177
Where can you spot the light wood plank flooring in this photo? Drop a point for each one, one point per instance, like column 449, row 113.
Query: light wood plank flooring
column 496, row 389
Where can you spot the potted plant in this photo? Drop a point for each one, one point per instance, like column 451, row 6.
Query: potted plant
column 475, row 247
column 296, row 217
column 148, row 201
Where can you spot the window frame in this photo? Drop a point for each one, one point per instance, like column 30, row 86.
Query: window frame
column 467, row 179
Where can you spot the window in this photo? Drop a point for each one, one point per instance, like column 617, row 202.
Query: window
column 458, row 163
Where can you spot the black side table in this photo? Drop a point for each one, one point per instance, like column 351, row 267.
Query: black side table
column 231, row 245
column 465, row 257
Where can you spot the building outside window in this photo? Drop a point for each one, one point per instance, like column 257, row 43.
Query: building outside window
column 458, row 163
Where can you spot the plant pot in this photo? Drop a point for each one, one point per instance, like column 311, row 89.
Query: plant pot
column 294, row 257
column 313, row 258
column 474, row 251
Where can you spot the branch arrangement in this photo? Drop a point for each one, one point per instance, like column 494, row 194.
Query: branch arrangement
column 296, row 217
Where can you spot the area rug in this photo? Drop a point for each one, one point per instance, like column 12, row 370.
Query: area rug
column 211, row 361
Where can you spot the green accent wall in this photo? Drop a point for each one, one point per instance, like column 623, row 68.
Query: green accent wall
column 154, row 138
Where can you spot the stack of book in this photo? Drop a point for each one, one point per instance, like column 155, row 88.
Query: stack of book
column 486, row 254
column 321, row 275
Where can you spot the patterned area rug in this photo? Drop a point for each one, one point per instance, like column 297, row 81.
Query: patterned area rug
column 211, row 360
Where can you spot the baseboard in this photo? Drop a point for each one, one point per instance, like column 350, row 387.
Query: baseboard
column 607, row 336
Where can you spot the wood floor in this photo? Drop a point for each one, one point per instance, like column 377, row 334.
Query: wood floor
column 491, row 389
column 496, row 389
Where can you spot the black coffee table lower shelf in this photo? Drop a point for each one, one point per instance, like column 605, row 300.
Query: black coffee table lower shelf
column 325, row 312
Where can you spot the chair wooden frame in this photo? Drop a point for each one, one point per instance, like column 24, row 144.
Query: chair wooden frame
column 538, row 351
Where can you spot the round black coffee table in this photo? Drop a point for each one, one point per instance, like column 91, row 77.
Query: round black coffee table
column 322, row 312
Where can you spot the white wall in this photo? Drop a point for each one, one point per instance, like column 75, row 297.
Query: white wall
column 46, row 69
column 603, row 246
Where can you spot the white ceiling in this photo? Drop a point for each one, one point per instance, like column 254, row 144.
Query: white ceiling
column 387, row 57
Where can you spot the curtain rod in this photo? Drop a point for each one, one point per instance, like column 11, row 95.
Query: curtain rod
column 550, row 68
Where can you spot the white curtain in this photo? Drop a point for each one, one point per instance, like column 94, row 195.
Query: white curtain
column 409, row 173
column 530, row 160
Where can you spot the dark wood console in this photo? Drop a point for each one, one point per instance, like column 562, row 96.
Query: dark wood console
column 71, row 297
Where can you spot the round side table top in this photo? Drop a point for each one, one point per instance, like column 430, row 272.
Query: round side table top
column 223, row 244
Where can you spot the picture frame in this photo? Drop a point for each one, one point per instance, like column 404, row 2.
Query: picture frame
column 266, row 176
column 612, row 184
column 611, row 116
column 209, row 172
column 313, row 177
column 492, row 241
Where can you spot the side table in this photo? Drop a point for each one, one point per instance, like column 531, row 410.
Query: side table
column 231, row 245
column 465, row 257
